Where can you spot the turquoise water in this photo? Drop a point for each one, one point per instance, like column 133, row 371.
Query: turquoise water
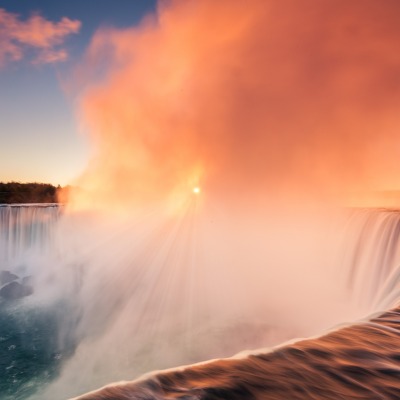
column 32, row 347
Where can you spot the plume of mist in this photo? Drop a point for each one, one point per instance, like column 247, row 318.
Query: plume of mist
column 252, row 101
column 278, row 112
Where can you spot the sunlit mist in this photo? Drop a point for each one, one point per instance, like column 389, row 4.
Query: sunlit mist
column 229, row 142
column 289, row 102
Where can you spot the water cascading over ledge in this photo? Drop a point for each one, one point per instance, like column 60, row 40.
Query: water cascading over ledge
column 358, row 361
column 33, row 341
column 26, row 228
column 368, row 257
column 372, row 261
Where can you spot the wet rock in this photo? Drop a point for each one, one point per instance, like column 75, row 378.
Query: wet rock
column 7, row 277
column 15, row 290
column 27, row 280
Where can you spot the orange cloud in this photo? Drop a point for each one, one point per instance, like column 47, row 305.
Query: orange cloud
column 36, row 33
column 257, row 99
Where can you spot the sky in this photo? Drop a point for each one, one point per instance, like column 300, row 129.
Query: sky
column 40, row 138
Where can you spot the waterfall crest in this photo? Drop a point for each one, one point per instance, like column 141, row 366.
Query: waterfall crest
column 26, row 228
column 372, row 256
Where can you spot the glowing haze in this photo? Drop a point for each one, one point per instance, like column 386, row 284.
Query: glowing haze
column 269, row 109
column 254, row 99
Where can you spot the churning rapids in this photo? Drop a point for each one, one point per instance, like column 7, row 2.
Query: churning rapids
column 85, row 303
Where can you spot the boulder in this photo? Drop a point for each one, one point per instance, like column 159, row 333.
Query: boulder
column 27, row 280
column 7, row 277
column 15, row 290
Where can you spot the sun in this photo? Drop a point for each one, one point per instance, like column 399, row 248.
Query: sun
column 196, row 190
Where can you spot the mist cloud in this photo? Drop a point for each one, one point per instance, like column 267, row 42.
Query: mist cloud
column 45, row 38
column 268, row 107
column 263, row 99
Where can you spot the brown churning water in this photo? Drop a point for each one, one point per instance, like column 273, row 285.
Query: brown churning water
column 361, row 361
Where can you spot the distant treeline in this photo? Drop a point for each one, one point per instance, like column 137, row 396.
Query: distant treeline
column 15, row 192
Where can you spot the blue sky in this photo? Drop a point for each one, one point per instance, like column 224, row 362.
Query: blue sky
column 39, row 138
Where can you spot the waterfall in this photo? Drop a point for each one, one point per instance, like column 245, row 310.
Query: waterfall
column 34, row 333
column 107, row 284
column 357, row 360
column 372, row 256
column 26, row 230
